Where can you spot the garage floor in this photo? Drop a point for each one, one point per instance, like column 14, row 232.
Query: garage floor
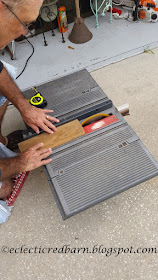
column 110, row 43
column 127, row 220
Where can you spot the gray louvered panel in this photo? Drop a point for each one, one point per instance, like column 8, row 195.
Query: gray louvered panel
column 66, row 87
column 74, row 103
column 69, row 93
column 113, row 161
column 81, row 79
column 108, row 173
column 106, row 169
column 75, row 94
column 76, row 143
column 91, row 146
column 84, row 107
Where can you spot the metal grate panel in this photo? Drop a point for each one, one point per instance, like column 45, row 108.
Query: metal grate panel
column 90, row 173
column 91, row 146
column 75, row 102
column 69, row 93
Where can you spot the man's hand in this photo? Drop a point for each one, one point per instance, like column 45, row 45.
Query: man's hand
column 32, row 116
column 36, row 117
column 34, row 157
column 26, row 161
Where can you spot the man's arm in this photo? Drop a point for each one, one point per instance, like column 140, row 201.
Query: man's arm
column 34, row 117
column 26, row 161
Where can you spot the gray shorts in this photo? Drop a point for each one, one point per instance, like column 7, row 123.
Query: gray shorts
column 12, row 72
column 4, row 153
column 2, row 100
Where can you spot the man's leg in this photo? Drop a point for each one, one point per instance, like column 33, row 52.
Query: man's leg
column 6, row 188
column 2, row 112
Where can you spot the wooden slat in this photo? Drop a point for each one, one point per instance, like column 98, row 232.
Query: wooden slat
column 64, row 134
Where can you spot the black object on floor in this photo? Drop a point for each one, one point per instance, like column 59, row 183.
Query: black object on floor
column 13, row 139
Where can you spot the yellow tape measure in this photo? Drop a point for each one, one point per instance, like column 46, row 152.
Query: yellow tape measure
column 38, row 100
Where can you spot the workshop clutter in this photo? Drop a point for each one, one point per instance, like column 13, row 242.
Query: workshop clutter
column 143, row 10
column 102, row 7
column 62, row 20
column 147, row 11
column 48, row 11
column 114, row 11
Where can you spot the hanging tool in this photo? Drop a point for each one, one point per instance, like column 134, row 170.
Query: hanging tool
column 48, row 12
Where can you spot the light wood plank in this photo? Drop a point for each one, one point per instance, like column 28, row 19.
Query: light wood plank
column 64, row 134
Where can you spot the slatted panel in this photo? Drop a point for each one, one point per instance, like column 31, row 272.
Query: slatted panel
column 88, row 147
column 76, row 102
column 69, row 93
column 107, row 174
column 106, row 166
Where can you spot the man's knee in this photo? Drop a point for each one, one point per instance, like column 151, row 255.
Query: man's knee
column 6, row 188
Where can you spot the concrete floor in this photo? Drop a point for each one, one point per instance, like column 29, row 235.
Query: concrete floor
column 128, row 219
column 110, row 43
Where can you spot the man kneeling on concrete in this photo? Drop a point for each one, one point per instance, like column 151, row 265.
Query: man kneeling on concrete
column 15, row 15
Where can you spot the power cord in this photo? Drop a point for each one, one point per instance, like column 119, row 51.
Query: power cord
column 33, row 50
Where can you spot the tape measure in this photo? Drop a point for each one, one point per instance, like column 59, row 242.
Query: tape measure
column 38, row 100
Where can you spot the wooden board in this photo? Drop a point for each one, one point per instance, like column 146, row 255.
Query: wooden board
column 64, row 134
